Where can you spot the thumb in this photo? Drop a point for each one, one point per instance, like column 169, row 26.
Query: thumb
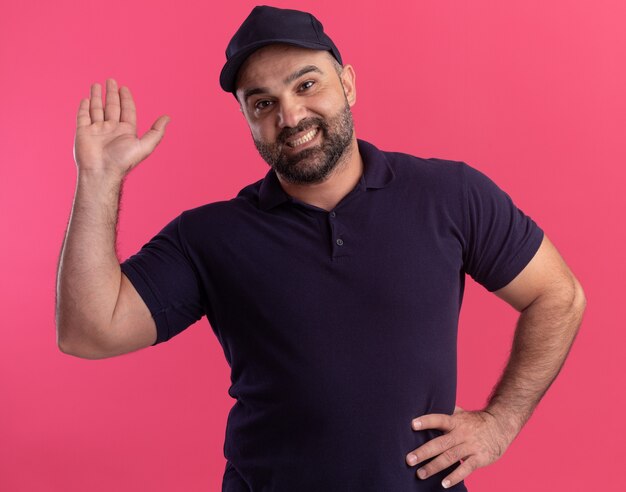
column 457, row 409
column 152, row 137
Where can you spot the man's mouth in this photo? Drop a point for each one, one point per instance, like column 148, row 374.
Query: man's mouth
column 307, row 137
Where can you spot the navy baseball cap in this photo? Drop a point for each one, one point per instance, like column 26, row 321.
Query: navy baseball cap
column 269, row 25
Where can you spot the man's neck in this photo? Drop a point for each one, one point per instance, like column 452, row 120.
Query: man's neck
column 341, row 181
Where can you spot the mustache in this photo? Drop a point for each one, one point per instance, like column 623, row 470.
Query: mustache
column 303, row 125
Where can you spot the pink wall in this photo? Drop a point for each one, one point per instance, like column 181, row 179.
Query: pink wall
column 532, row 93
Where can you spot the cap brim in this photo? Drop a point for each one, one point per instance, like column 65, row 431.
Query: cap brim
column 228, row 75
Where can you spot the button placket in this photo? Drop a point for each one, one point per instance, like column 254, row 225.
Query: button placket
column 336, row 231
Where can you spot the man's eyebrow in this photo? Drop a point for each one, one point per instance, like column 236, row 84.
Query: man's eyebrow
column 299, row 73
column 288, row 80
column 251, row 92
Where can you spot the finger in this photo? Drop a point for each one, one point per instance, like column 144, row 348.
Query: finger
column 95, row 103
column 129, row 113
column 432, row 448
column 153, row 136
column 460, row 473
column 441, row 462
column 457, row 409
column 440, row 421
column 83, row 118
column 112, row 107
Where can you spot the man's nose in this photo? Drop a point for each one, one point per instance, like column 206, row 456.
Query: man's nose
column 290, row 113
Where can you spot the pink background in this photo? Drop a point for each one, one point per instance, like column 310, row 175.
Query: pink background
column 532, row 93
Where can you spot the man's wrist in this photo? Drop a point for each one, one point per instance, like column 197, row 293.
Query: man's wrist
column 509, row 421
column 100, row 175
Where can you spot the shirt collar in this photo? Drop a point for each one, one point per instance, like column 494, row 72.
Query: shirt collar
column 377, row 173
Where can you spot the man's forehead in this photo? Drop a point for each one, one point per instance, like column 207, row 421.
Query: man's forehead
column 277, row 61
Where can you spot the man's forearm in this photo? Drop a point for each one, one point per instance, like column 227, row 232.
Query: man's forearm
column 89, row 273
column 545, row 332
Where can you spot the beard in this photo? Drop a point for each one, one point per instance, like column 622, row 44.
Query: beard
column 313, row 164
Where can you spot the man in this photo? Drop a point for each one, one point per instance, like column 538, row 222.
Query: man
column 333, row 284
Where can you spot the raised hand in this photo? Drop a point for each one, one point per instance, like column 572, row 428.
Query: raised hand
column 106, row 138
column 476, row 438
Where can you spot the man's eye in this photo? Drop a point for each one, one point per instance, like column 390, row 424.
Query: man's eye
column 262, row 104
column 306, row 85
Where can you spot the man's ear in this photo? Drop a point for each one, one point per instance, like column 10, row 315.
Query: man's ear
column 240, row 106
column 348, row 79
column 238, row 101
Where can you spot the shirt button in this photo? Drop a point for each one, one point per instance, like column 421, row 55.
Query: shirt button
column 333, row 214
column 339, row 241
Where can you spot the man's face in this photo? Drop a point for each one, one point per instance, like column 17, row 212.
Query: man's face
column 298, row 110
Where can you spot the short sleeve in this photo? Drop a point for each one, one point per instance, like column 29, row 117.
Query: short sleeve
column 166, row 280
column 500, row 240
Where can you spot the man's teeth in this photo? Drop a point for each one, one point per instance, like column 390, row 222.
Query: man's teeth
column 303, row 139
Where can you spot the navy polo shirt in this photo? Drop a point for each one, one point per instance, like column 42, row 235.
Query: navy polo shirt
column 339, row 326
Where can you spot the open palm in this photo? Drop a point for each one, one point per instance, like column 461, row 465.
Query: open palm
column 106, row 138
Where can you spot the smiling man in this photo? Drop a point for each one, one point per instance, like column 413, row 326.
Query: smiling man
column 333, row 284
column 302, row 149
column 300, row 119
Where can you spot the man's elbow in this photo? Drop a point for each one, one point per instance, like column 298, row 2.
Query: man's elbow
column 573, row 305
column 579, row 302
column 574, row 295
column 77, row 346
column 565, row 303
